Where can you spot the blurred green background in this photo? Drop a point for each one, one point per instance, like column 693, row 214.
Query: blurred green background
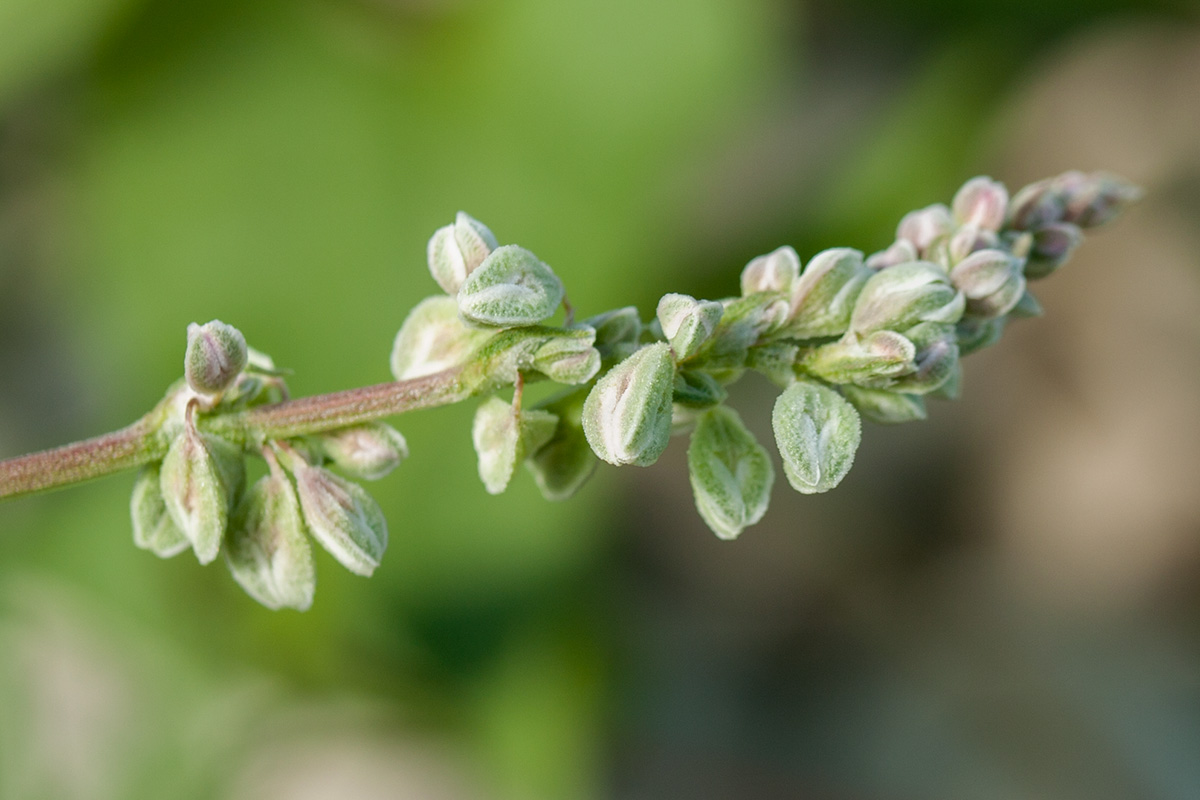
column 1001, row 602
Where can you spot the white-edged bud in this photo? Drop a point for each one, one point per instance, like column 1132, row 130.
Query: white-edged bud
column 216, row 354
column 817, row 433
column 900, row 251
column 341, row 516
column 153, row 528
column 569, row 357
column 433, row 338
column 902, row 296
column 627, row 415
column 777, row 271
column 1050, row 247
column 981, row 202
column 874, row 360
column 510, row 289
column 730, row 473
column 824, row 295
column 267, row 551
column 456, row 250
column 369, row 451
column 991, row 281
column 884, row 407
column 503, row 435
column 687, row 323
column 925, row 226
column 201, row 478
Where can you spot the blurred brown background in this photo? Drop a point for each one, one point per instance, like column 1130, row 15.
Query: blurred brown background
column 1000, row 602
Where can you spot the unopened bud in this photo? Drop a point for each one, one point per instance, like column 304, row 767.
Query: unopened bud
column 966, row 240
column 510, row 289
column 687, row 323
column 902, row 296
column 885, row 407
column 825, row 294
column 817, row 433
column 457, row 250
column 627, row 415
column 153, row 528
column 216, row 353
column 1027, row 306
column 564, row 463
column 777, row 271
column 697, row 389
column 617, row 332
column 434, row 338
column 1050, row 247
column 873, row 360
column 569, row 357
column 730, row 473
column 976, row 333
column 925, row 226
column 935, row 360
column 504, row 435
column 901, row 251
column 981, row 202
column 991, row 281
column 267, row 551
column 1098, row 198
column 342, row 517
column 201, row 477
column 369, row 451
column 1035, row 205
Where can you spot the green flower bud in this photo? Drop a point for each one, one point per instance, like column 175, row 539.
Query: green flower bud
column 976, row 333
column 730, row 473
column 457, row 250
column 434, row 338
column 153, row 528
column 981, row 202
column 991, row 281
column 884, row 407
column 817, row 433
column 617, row 332
column 627, row 415
column 687, row 323
column 900, row 252
column 935, row 360
column 697, row 389
column 902, row 296
column 569, row 357
column 267, row 551
column 926, row 226
column 824, row 295
column 565, row 462
column 201, row 478
column 874, row 360
column 1035, row 205
column 777, row 271
column 341, row 516
column 775, row 360
column 1051, row 245
column 216, row 354
column 745, row 322
column 510, row 289
column 504, row 435
column 369, row 451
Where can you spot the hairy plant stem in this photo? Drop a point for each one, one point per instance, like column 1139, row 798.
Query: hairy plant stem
column 142, row 442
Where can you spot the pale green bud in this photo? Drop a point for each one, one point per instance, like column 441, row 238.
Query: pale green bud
column 566, row 461
column 824, row 296
column 874, row 360
column 900, row 252
column 342, row 517
column 902, row 296
column 434, row 338
column 981, row 202
column 777, row 271
column 503, row 436
column 201, row 478
column 730, row 473
column 216, row 354
column 1050, row 247
column 884, row 407
column 935, row 360
column 267, row 551
column 153, row 528
column 817, row 433
column 976, row 333
column 369, row 451
column 697, row 389
column 617, row 332
column 925, row 226
column 627, row 415
column 569, row 357
column 991, row 281
column 510, row 289
column 745, row 321
column 687, row 323
column 457, row 250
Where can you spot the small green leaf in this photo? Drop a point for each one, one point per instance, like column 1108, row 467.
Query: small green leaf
column 510, row 289
column 884, row 407
column 730, row 473
column 817, row 433
column 697, row 389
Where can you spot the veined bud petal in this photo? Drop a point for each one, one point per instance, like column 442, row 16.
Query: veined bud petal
column 1035, row 205
column 267, row 551
column 730, row 473
column 981, row 202
column 885, row 407
column 627, row 415
column 976, row 333
column 504, row 435
column 900, row 251
column 569, row 357
column 935, row 360
column 617, row 332
column 342, row 517
column 1051, row 246
column 201, row 478
column 510, row 289
column 991, row 281
column 369, row 451
column 433, row 338
column 825, row 293
column 817, row 433
column 1093, row 200
column 925, row 226
column 564, row 463
column 457, row 250
column 875, row 360
column 902, row 296
column 216, row 354
column 687, row 323
column 153, row 528
column 777, row 271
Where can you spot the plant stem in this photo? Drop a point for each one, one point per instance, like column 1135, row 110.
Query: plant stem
column 140, row 443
